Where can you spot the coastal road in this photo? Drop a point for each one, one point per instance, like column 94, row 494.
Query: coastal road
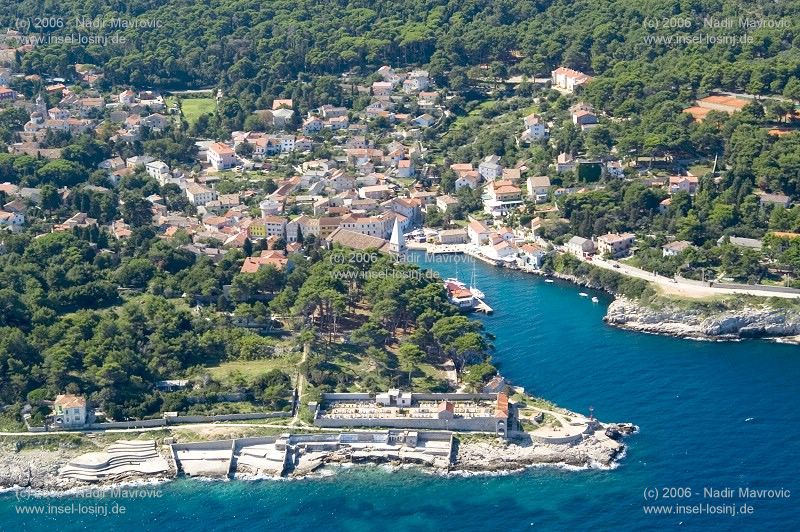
column 668, row 285
column 181, row 426
column 677, row 287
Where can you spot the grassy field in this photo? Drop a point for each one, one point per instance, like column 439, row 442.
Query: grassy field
column 194, row 108
column 249, row 369
column 700, row 169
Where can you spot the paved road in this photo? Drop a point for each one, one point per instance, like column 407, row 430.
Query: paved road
column 680, row 288
column 169, row 427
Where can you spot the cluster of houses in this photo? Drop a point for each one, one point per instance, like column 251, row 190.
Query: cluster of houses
column 362, row 194
column 351, row 198
column 83, row 112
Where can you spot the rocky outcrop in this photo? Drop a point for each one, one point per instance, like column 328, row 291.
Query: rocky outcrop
column 43, row 470
column 35, row 469
column 597, row 450
column 748, row 322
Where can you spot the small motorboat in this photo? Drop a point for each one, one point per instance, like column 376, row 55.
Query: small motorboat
column 595, row 300
column 548, row 280
column 583, row 294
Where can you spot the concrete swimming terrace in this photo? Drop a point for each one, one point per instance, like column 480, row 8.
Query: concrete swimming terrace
column 300, row 454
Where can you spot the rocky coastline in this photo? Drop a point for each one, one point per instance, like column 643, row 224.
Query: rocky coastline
column 750, row 321
column 38, row 470
column 600, row 450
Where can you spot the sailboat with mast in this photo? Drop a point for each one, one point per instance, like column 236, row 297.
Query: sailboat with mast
column 455, row 280
column 474, row 289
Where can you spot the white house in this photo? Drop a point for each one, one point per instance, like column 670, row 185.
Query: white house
column 584, row 119
column 535, row 128
column 568, row 79
column 199, row 194
column 490, row 168
column 281, row 117
column 312, row 124
column 57, row 113
column 221, row 156
column 565, row 163
column 12, row 220
column 615, row 244
column 423, row 120
column 416, row 81
column 531, row 256
column 382, row 88
column 155, row 121
column 329, row 111
column 685, row 183
column 538, row 188
column 303, row 144
column 127, row 97
column 274, row 225
column 158, row 170
column 452, row 236
column 268, row 207
column 501, row 196
column 446, row 203
column 405, row 168
column 136, row 160
column 478, row 232
column 580, row 247
column 469, row 179
column 377, row 192
column 500, row 250
column 69, row 410
column 337, row 122
column 673, row 249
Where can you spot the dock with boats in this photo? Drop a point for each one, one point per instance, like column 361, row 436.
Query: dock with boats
column 466, row 299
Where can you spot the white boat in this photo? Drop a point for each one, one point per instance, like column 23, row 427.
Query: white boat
column 455, row 281
column 595, row 300
column 583, row 294
column 472, row 288
column 548, row 280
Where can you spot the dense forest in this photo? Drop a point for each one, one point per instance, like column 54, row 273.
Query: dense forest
column 111, row 321
column 253, row 48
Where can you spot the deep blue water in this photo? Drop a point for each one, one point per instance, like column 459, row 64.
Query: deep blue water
column 690, row 399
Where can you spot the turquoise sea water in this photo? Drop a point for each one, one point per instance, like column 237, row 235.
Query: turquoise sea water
column 690, row 399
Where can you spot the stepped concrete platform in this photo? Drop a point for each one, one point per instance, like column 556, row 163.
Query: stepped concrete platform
column 121, row 459
column 264, row 459
column 204, row 459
